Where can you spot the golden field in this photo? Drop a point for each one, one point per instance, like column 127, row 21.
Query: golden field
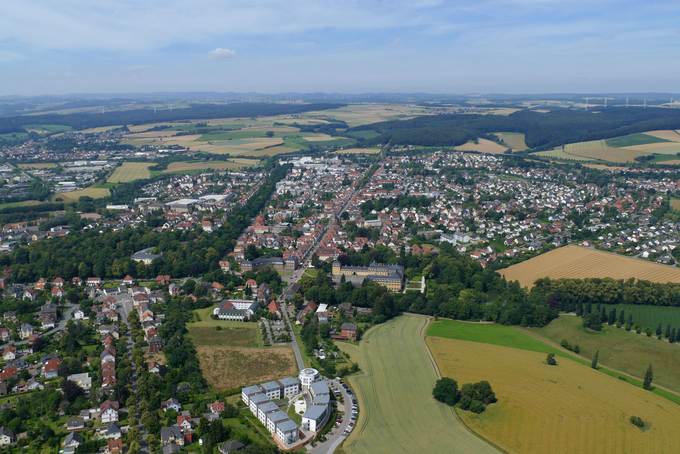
column 514, row 140
column 130, row 171
column 371, row 150
column 580, row 262
column 73, row 196
column 483, row 146
column 569, row 408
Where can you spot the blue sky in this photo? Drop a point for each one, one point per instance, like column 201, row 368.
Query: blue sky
column 467, row 46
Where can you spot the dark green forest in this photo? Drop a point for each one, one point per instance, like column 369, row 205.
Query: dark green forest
column 542, row 130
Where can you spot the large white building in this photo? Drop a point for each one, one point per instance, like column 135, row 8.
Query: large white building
column 236, row 310
column 308, row 376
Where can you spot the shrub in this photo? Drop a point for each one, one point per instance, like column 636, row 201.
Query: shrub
column 446, row 390
column 593, row 321
column 550, row 360
column 637, row 421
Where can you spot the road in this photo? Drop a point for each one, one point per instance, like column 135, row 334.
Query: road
column 337, row 435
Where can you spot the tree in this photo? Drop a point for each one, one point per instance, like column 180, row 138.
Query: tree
column 621, row 317
column 71, row 390
column 596, row 357
column 550, row 360
column 637, row 421
column 649, row 376
column 658, row 331
column 593, row 321
column 446, row 390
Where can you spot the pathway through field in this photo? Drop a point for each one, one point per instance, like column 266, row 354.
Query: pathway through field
column 397, row 411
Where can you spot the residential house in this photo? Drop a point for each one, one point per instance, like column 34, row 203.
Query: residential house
column 51, row 368
column 108, row 411
column 7, row 437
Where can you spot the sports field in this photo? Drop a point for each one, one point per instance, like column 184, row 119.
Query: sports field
column 619, row 349
column 130, row 171
column 394, row 388
column 231, row 354
column 514, row 140
column 483, row 146
column 580, row 262
column 569, row 408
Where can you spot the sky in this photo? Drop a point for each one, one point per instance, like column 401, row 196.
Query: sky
column 273, row 46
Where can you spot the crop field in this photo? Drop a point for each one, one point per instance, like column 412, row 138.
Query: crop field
column 559, row 153
column 605, row 167
column 361, row 114
column 569, row 408
column 37, row 165
column 188, row 166
column 514, row 140
column 634, row 139
column 372, row 150
column 598, row 149
column 130, row 171
column 579, row 262
column 394, row 389
column 672, row 135
column 483, row 146
column 619, row 349
column 662, row 148
column 73, row 196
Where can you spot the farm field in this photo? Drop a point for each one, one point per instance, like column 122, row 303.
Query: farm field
column 514, row 140
column 188, row 166
column 234, row 355
column 668, row 134
column 37, row 165
column 361, row 114
column 559, row 153
column 130, row 171
column 483, row 146
column 394, row 389
column 568, row 408
column 634, row 139
column 619, row 349
column 605, row 167
column 580, row 262
column 23, row 203
column 73, row 196
column 598, row 149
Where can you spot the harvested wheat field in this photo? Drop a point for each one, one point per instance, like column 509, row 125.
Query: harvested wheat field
column 514, row 140
column 598, row 149
column 605, row 167
column 580, row 262
column 569, row 408
column 483, row 146
column 657, row 148
column 559, row 153
column 667, row 134
column 232, row 367
column 131, row 171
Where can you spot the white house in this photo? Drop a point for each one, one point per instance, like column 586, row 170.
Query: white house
column 108, row 411
column 287, row 431
column 272, row 389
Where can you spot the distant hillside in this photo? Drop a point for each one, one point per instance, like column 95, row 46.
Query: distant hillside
column 542, row 130
column 138, row 116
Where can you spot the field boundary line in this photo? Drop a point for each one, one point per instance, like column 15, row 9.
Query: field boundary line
column 423, row 333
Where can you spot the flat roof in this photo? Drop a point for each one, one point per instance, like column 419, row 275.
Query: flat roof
column 315, row 412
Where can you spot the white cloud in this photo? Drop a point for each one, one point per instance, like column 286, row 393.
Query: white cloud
column 222, row 53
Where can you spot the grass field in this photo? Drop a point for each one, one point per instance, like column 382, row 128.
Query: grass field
column 609, row 168
column 73, row 196
column 514, row 140
column 37, row 165
column 651, row 316
column 233, row 356
column 619, row 349
column 580, row 262
column 675, row 204
column 483, row 146
column 633, row 139
column 373, row 150
column 569, row 408
column 130, row 171
column 559, row 153
column 23, row 203
column 394, row 388
column 188, row 166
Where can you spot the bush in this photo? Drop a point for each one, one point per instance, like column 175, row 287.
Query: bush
column 477, row 407
column 446, row 390
column 637, row 421
column 593, row 321
column 550, row 360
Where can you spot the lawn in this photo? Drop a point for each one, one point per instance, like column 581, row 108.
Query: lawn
column 131, row 171
column 394, row 389
column 620, row 349
column 568, row 408
column 190, row 166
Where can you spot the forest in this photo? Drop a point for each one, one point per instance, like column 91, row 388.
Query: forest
column 542, row 130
